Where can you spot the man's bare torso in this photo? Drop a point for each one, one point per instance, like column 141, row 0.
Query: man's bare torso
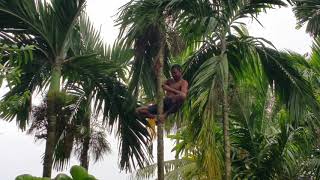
column 175, row 85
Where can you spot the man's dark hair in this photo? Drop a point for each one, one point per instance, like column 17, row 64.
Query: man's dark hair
column 176, row 66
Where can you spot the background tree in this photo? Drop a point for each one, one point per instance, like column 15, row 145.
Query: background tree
column 226, row 51
column 54, row 34
column 220, row 30
column 145, row 27
column 307, row 12
column 43, row 20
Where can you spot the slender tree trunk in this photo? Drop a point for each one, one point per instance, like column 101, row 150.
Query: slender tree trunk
column 160, row 153
column 227, row 146
column 52, row 119
column 84, row 157
column 225, row 109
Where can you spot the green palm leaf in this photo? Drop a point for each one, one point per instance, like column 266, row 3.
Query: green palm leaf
column 306, row 11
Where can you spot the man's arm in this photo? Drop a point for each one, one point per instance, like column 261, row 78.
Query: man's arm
column 184, row 88
column 183, row 92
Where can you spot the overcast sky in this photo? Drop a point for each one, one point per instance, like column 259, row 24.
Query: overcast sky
column 19, row 154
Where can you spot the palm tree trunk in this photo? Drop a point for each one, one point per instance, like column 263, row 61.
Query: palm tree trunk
column 52, row 119
column 160, row 153
column 84, row 160
column 225, row 109
column 84, row 157
column 227, row 146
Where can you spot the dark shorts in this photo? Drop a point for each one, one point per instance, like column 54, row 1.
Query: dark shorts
column 168, row 106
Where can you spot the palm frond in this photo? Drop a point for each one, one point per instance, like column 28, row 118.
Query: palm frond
column 112, row 98
column 262, row 141
column 315, row 56
column 174, row 169
column 33, row 78
column 141, row 23
column 52, row 21
column 279, row 68
column 98, row 74
column 25, row 12
column 307, row 11
column 65, row 131
column 99, row 145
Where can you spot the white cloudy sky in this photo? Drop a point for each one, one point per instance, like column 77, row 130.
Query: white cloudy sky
column 19, row 154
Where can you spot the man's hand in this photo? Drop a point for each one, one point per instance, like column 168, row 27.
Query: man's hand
column 176, row 92
column 182, row 94
column 165, row 87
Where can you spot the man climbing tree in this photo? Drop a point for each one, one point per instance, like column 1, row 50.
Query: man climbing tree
column 176, row 92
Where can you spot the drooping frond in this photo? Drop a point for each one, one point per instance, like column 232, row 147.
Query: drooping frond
column 292, row 88
column 315, row 56
column 113, row 99
column 307, row 11
column 51, row 21
column 65, row 131
column 174, row 169
column 141, row 23
column 202, row 20
column 267, row 143
column 98, row 70
column 34, row 77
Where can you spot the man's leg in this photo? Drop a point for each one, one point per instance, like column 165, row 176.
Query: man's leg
column 171, row 106
column 144, row 112
column 177, row 99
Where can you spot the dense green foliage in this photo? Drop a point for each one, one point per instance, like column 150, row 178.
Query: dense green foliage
column 69, row 59
column 252, row 111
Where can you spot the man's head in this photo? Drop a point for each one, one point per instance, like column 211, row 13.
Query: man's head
column 176, row 72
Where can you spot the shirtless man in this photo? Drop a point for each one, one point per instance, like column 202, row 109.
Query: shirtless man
column 176, row 92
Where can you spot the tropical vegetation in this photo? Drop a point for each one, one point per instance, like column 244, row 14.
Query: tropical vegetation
column 252, row 110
